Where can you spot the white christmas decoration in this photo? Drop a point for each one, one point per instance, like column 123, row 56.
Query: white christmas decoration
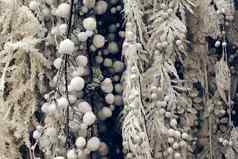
column 80, row 71
column 118, row 66
column 71, row 154
column 62, row 102
column 44, row 107
column 107, row 62
column 107, row 86
column 80, row 142
column 185, row 136
column 99, row 59
column 72, row 98
column 77, row 84
column 89, row 118
column 113, row 10
column 39, row 128
column 62, row 28
column 177, row 155
column 89, row 3
column 84, row 107
column 182, row 143
column 162, row 111
column 55, row 30
column 109, row 98
column 175, row 145
column 170, row 150
column 118, row 88
column 82, row 36
column 57, row 62
column 98, row 41
column 217, row 43
column 46, row 12
column 34, row 5
column 173, row 123
column 93, row 144
column 101, row 7
column 51, row 131
column 36, row 134
column 82, row 60
column 170, row 140
column 63, row 10
column 113, row 47
column 224, row 44
column 118, row 101
column 90, row 23
column 51, row 108
column 66, row 47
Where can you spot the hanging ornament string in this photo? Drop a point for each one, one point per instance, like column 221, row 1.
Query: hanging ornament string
column 66, row 62
column 228, row 78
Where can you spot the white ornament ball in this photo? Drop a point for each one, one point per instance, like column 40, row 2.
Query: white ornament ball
column 89, row 118
column 71, row 154
column 113, row 47
column 93, row 144
column 77, row 84
column 44, row 107
column 217, row 43
column 107, row 62
column 101, row 7
column 72, row 98
column 113, row 10
column 224, row 44
column 36, row 134
column 84, row 107
column 62, row 102
column 118, row 66
column 80, row 142
column 99, row 59
column 57, row 63
column 175, row 145
column 170, row 140
column 82, row 36
column 109, row 98
column 90, row 23
column 177, row 155
column 63, row 29
column 170, row 150
column 89, row 3
column 63, row 10
column 118, row 88
column 118, row 100
column 52, row 108
column 51, row 131
column 82, row 60
column 34, row 5
column 66, row 47
column 39, row 128
column 98, row 41
column 79, row 71
column 107, row 86
column 173, row 123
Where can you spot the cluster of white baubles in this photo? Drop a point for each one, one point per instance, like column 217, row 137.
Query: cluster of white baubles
column 112, row 92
